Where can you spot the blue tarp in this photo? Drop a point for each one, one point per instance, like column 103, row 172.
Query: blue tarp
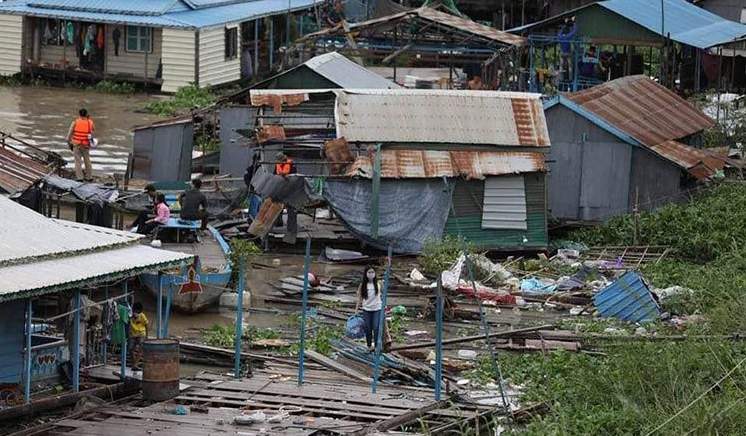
column 411, row 211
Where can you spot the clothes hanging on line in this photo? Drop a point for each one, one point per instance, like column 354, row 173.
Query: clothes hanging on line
column 116, row 35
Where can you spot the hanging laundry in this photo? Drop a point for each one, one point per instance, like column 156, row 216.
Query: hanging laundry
column 70, row 32
column 61, row 35
column 115, row 36
column 47, row 34
column 100, row 38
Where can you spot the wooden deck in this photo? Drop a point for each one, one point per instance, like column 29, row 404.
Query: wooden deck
column 323, row 407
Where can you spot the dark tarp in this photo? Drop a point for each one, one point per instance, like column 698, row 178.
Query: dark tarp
column 92, row 193
column 411, row 211
column 290, row 190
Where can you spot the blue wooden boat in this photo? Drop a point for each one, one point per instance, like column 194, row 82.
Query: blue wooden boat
column 200, row 284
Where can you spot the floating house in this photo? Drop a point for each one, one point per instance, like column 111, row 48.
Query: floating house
column 41, row 256
column 395, row 160
column 628, row 142
column 625, row 34
column 163, row 42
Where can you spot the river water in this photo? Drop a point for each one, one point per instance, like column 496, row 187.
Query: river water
column 42, row 116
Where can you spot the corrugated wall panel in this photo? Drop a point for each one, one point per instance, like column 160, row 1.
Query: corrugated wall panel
column 468, row 199
column 11, row 341
column 214, row 69
column 179, row 57
column 11, row 43
column 504, row 203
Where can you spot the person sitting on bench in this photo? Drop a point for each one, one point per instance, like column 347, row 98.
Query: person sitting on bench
column 194, row 204
column 162, row 214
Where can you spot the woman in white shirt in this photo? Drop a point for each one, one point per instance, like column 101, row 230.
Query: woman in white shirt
column 369, row 298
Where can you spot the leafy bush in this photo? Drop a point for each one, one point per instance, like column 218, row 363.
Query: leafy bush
column 713, row 222
column 111, row 87
column 185, row 98
column 438, row 256
column 243, row 249
column 221, row 336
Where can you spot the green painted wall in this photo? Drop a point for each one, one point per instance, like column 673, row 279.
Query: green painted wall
column 467, row 201
column 600, row 23
column 298, row 78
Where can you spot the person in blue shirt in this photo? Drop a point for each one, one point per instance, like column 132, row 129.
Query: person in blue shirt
column 564, row 36
column 588, row 65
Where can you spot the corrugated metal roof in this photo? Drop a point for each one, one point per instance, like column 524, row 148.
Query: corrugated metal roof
column 652, row 115
column 38, row 253
column 441, row 116
column 17, row 173
column 403, row 164
column 130, row 7
column 685, row 22
column 347, row 74
column 628, row 299
column 67, row 272
column 205, row 13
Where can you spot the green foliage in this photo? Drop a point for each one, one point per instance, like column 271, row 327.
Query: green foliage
column 185, row 98
column 221, row 336
column 12, row 81
column 255, row 333
column 243, row 249
column 713, row 222
column 318, row 339
column 111, row 87
column 396, row 328
column 633, row 391
column 438, row 256
column 206, row 142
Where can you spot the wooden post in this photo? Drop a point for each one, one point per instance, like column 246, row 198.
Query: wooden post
column 271, row 44
column 381, row 321
column 27, row 357
column 239, row 319
column 306, row 270
column 637, row 216
column 76, row 343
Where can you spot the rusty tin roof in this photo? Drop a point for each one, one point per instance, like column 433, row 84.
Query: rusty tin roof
column 655, row 117
column 418, row 164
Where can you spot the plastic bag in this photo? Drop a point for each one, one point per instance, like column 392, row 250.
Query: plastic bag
column 354, row 329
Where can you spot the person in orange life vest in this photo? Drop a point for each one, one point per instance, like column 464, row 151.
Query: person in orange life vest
column 284, row 165
column 79, row 137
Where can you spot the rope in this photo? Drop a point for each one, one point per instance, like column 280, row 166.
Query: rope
column 702, row 395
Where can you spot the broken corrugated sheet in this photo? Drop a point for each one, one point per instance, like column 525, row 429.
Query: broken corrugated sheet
column 339, row 153
column 270, row 132
column 628, row 299
column 642, row 108
column 402, row 164
column 469, row 26
column 277, row 100
column 699, row 164
column 441, row 116
column 266, row 217
column 18, row 173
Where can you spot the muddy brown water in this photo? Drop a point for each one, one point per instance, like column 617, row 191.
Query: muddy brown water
column 41, row 116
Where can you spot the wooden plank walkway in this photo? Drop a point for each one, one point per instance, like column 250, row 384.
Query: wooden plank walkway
column 345, row 408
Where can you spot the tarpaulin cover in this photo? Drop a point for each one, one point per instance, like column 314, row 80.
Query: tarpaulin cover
column 411, row 211
column 89, row 192
column 290, row 190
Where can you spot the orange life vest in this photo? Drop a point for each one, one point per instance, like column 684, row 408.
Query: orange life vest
column 283, row 169
column 82, row 128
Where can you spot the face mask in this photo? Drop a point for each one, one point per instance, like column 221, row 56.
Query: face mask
column 371, row 275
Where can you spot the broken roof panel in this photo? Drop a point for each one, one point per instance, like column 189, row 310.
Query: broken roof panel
column 642, row 108
column 418, row 164
column 18, row 173
column 432, row 16
column 441, row 116
column 698, row 163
